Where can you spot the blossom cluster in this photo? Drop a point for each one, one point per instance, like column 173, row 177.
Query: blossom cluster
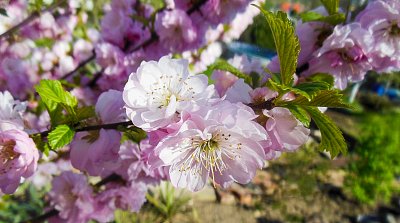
column 348, row 52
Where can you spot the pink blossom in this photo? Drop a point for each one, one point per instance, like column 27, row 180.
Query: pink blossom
column 344, row 54
column 96, row 152
column 223, row 143
column 72, row 197
column 222, row 11
column 19, row 157
column 311, row 37
column 284, row 130
column 382, row 19
column 109, row 107
column 11, row 112
column 223, row 80
column 159, row 91
column 175, row 30
column 83, row 50
column 111, row 58
column 130, row 198
column 114, row 26
column 134, row 163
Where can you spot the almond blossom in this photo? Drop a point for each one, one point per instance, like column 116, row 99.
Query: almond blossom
column 223, row 143
column 159, row 91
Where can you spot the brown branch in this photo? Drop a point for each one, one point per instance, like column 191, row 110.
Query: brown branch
column 80, row 65
column 91, row 128
column 30, row 18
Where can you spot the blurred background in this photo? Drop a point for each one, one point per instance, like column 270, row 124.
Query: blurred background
column 305, row 186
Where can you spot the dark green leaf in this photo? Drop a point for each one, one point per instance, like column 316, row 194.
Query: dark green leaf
column 3, row 12
column 60, row 136
column 332, row 139
column 85, row 113
column 322, row 77
column 300, row 114
column 221, row 64
column 312, row 88
column 324, row 98
column 286, row 42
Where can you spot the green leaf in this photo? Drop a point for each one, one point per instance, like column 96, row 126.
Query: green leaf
column 329, row 79
column 60, row 136
column 221, row 64
column 300, row 114
column 332, row 139
column 52, row 90
column 332, row 6
column 286, row 42
column 332, row 19
column 45, row 42
column 323, row 98
column 54, row 96
column 3, row 12
column 312, row 88
column 85, row 113
column 284, row 89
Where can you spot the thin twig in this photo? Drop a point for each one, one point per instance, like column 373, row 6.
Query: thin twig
column 92, row 128
column 80, row 65
column 30, row 18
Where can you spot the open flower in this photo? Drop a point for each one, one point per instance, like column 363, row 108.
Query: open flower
column 223, row 143
column 18, row 159
column 72, row 196
column 344, row 54
column 160, row 91
column 382, row 19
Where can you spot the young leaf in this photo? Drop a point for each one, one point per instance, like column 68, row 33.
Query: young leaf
column 332, row 139
column 333, row 19
column 332, row 6
column 286, row 42
column 52, row 90
column 60, row 136
column 221, row 64
column 323, row 98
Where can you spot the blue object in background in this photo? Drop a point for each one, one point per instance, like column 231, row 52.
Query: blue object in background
column 392, row 93
column 251, row 51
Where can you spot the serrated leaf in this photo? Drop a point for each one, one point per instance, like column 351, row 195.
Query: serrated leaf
column 333, row 19
column 332, row 139
column 53, row 95
column 282, row 89
column 323, row 98
column 312, row 88
column 332, row 6
column 300, row 114
column 53, row 90
column 62, row 135
column 286, row 42
column 221, row 64
column 329, row 79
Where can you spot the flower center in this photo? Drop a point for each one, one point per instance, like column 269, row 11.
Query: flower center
column 394, row 29
column 209, row 154
column 7, row 154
